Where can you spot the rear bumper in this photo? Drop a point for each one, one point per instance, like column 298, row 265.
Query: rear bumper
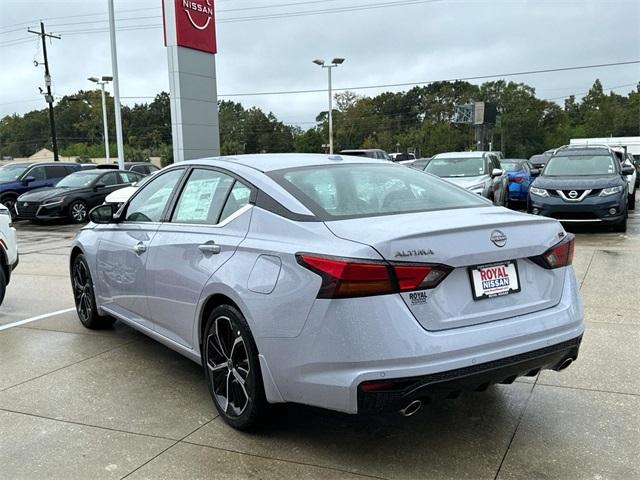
column 451, row 383
column 517, row 192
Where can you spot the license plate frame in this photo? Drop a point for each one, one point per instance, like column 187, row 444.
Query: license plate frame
column 483, row 293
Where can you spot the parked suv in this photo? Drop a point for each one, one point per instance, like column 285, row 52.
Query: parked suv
column 478, row 172
column 19, row 178
column 582, row 184
column 8, row 250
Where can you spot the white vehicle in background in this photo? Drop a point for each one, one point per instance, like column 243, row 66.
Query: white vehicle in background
column 8, row 250
column 121, row 195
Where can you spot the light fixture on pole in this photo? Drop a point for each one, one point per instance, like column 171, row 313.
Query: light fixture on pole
column 334, row 63
column 116, row 86
column 102, row 82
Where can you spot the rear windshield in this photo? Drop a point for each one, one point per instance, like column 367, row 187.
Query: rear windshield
column 351, row 191
column 457, row 167
column 580, row 165
column 512, row 166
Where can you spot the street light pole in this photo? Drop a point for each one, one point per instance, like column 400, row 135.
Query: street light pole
column 105, row 123
column 116, row 86
column 334, row 63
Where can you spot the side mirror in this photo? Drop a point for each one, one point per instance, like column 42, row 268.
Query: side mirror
column 28, row 180
column 99, row 186
column 103, row 214
column 628, row 170
column 496, row 172
column 535, row 172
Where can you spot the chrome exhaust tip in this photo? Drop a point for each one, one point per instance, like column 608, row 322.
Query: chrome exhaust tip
column 565, row 364
column 411, row 409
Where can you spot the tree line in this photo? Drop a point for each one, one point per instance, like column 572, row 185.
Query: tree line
column 420, row 119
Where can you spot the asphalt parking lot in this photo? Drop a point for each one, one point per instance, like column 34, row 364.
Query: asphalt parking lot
column 77, row 404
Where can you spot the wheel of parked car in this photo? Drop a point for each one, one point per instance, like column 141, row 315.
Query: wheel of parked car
column 621, row 226
column 232, row 369
column 84, row 297
column 3, row 285
column 78, row 212
column 632, row 201
column 9, row 201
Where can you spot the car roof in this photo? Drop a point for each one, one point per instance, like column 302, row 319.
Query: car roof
column 362, row 150
column 513, row 160
column 571, row 151
column 266, row 162
column 460, row 155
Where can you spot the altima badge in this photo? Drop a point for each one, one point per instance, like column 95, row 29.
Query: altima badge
column 414, row 253
column 498, row 238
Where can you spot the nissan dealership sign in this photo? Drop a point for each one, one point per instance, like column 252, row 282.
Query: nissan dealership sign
column 194, row 23
column 190, row 38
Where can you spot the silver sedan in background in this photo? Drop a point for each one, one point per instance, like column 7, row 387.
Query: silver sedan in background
column 347, row 283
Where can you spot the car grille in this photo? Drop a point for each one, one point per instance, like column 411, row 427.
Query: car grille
column 27, row 209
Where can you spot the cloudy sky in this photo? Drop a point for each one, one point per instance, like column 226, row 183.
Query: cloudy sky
column 383, row 41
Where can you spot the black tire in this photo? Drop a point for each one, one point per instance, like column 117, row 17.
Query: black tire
column 232, row 368
column 621, row 226
column 9, row 201
column 84, row 296
column 632, row 201
column 78, row 212
column 3, row 285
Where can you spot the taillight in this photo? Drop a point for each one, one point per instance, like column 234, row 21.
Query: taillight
column 348, row 277
column 517, row 179
column 560, row 255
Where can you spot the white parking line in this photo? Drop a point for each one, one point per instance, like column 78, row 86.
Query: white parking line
column 35, row 319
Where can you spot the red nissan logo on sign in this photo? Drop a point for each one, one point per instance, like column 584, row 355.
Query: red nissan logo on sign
column 195, row 25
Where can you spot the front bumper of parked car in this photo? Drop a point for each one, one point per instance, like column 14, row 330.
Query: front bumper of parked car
column 40, row 211
column 595, row 209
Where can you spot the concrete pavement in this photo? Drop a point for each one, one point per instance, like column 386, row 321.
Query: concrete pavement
column 76, row 404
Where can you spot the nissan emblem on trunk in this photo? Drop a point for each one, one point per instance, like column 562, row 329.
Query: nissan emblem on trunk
column 498, row 238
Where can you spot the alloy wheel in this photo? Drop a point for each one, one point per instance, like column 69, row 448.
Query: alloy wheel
column 82, row 291
column 79, row 212
column 228, row 367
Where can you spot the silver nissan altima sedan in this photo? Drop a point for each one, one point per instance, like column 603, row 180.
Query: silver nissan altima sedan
column 348, row 283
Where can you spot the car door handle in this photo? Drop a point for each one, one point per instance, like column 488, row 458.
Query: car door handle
column 210, row 247
column 140, row 248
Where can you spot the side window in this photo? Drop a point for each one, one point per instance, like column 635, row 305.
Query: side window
column 109, row 179
column 238, row 198
column 37, row 173
column 55, row 171
column 151, row 200
column 128, row 177
column 203, row 197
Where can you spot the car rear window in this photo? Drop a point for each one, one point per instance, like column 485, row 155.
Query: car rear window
column 457, row 167
column 351, row 191
column 580, row 165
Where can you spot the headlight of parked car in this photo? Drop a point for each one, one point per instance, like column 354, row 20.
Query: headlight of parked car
column 610, row 191
column 540, row 192
column 53, row 201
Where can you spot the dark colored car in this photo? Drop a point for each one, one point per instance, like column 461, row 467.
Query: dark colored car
column 367, row 152
column 540, row 160
column 74, row 195
column 519, row 173
column 143, row 168
column 19, row 178
column 582, row 185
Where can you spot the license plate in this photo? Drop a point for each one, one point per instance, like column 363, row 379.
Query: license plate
column 495, row 280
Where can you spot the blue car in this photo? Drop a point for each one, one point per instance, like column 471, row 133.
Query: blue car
column 519, row 173
column 19, row 178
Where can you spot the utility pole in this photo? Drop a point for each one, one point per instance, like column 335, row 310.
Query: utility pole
column 116, row 85
column 47, row 80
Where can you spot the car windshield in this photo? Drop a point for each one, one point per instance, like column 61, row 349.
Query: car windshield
column 78, row 179
column 511, row 166
column 9, row 173
column 456, row 167
column 580, row 165
column 352, row 191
